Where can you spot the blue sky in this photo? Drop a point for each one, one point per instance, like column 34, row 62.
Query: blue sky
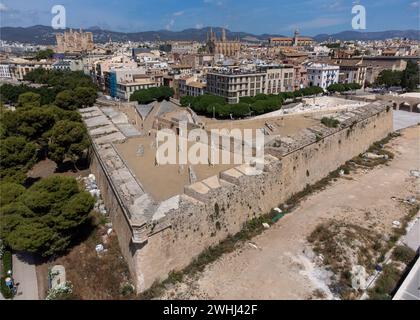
column 256, row 16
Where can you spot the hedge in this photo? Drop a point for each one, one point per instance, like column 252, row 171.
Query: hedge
column 7, row 265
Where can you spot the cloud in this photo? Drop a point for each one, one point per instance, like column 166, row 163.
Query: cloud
column 170, row 24
column 178, row 13
column 321, row 22
column 217, row 3
column 3, row 7
column 415, row 4
column 199, row 26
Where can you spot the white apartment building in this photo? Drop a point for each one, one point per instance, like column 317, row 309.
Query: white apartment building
column 5, row 71
column 322, row 75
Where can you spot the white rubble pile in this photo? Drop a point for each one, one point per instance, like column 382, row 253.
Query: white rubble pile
column 92, row 188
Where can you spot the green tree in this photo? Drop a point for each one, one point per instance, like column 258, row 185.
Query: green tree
column 389, row 78
column 44, row 54
column 31, row 123
column 240, row 110
column 186, row 101
column 45, row 218
column 16, row 152
column 67, row 139
column 222, row 111
column 146, row 96
column 66, row 100
column 85, row 96
column 29, row 100
column 336, row 87
column 9, row 192
column 410, row 77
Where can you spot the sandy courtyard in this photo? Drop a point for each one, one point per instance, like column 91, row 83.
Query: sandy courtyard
column 274, row 266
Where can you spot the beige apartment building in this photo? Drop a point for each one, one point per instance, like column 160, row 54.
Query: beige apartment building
column 191, row 86
column 18, row 67
column 234, row 84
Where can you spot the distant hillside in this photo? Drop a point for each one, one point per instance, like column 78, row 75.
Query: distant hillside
column 381, row 35
column 45, row 35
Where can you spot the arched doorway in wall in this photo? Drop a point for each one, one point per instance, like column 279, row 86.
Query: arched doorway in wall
column 404, row 106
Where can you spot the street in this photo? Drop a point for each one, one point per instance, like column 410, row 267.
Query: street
column 24, row 274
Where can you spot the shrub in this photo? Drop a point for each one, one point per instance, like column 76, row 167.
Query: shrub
column 63, row 292
column 7, row 261
column 7, row 265
column 403, row 254
column 330, row 122
column 5, row 290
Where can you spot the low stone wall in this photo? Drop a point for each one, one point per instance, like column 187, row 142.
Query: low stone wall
column 212, row 209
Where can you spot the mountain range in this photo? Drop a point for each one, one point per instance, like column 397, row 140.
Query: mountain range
column 45, row 35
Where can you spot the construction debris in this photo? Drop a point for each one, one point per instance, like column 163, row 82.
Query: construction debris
column 374, row 156
column 415, row 173
column 253, row 245
column 99, row 248
column 396, row 224
column 92, row 187
column 358, row 279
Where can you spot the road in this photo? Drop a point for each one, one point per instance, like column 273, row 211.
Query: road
column 405, row 119
column 24, row 274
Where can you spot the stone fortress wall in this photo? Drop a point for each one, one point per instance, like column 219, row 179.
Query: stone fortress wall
column 156, row 238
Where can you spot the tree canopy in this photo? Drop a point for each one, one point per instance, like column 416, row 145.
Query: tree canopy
column 44, row 54
column 43, row 218
column 261, row 103
column 343, row 87
column 67, row 139
column 152, row 94
column 408, row 79
column 389, row 78
column 55, row 129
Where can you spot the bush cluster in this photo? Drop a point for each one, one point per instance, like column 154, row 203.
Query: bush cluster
column 152, row 94
column 343, row 87
column 330, row 122
column 210, row 105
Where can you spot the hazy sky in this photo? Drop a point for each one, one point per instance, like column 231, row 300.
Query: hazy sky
column 255, row 16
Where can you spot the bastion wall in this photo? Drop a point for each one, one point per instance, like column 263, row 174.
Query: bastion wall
column 211, row 210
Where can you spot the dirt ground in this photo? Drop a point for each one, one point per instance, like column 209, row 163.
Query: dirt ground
column 46, row 168
column 93, row 276
column 274, row 265
column 165, row 181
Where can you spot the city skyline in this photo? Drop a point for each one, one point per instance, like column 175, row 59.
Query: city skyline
column 311, row 17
